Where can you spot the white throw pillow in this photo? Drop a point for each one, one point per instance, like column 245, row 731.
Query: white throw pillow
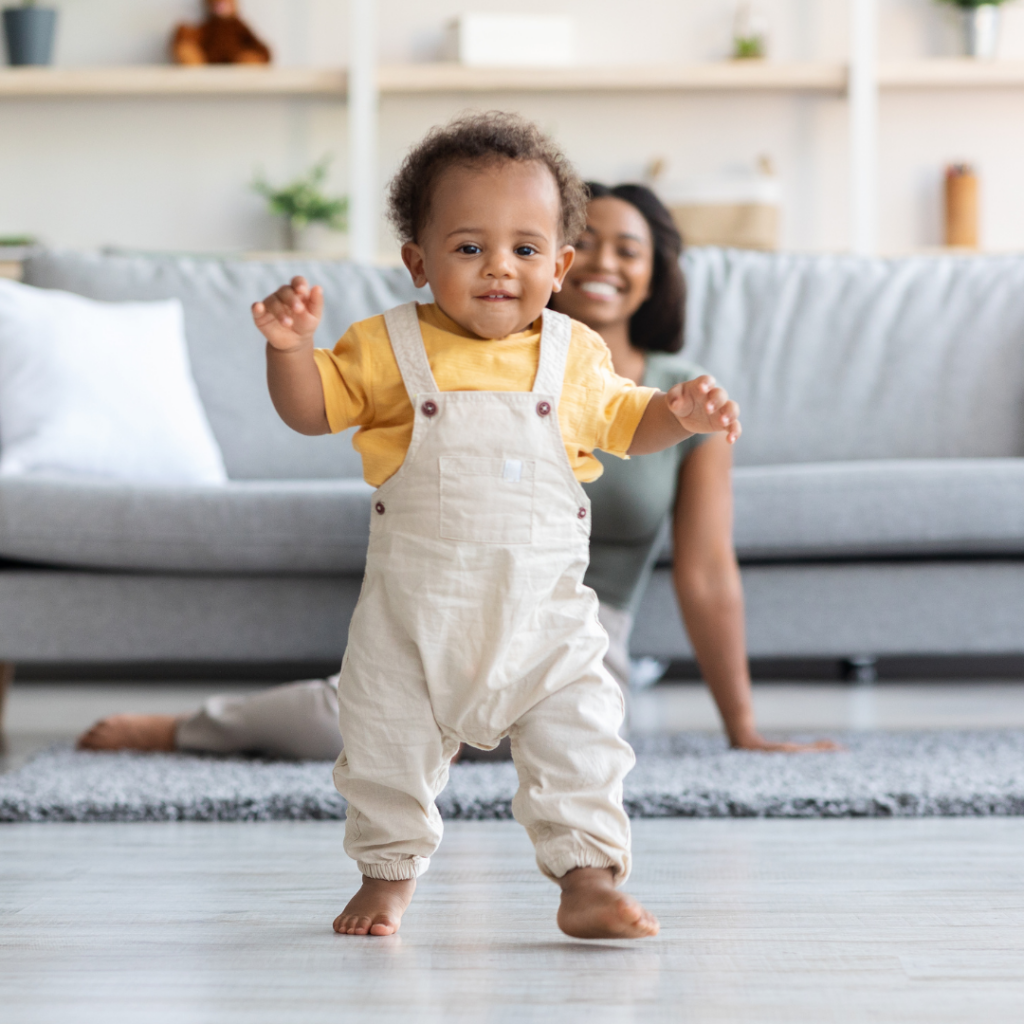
column 100, row 389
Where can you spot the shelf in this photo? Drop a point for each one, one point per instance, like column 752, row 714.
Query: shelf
column 413, row 79
column 721, row 76
column 170, row 80
column 160, row 80
column 952, row 73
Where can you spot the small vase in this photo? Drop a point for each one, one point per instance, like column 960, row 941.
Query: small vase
column 981, row 31
column 315, row 238
column 29, row 32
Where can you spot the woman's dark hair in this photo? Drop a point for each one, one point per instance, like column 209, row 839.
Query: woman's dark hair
column 657, row 326
column 475, row 139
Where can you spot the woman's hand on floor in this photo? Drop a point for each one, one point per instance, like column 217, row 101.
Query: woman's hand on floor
column 759, row 743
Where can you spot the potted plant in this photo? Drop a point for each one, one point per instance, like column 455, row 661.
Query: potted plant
column 980, row 20
column 29, row 32
column 749, row 33
column 309, row 215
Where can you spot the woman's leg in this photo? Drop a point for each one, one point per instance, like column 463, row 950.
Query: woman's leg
column 295, row 720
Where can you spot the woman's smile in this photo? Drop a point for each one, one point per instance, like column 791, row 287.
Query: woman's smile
column 599, row 289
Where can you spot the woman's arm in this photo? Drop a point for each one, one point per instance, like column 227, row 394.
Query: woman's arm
column 710, row 592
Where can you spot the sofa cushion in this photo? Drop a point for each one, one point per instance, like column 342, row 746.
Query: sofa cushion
column 898, row 507
column 101, row 389
column 225, row 348
column 295, row 526
column 842, row 357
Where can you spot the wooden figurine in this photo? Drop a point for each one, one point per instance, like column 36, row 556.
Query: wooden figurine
column 222, row 39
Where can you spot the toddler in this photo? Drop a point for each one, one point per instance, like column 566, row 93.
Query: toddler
column 478, row 415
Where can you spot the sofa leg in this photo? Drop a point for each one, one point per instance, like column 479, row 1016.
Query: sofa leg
column 6, row 678
column 862, row 668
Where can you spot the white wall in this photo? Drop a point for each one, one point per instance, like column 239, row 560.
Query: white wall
column 173, row 173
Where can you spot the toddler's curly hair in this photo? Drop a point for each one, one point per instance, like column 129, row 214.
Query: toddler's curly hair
column 480, row 139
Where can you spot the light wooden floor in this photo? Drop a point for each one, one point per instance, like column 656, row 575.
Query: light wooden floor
column 763, row 921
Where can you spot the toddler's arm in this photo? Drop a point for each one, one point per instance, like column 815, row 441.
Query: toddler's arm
column 694, row 407
column 288, row 320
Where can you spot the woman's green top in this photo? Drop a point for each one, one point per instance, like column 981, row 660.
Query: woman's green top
column 631, row 501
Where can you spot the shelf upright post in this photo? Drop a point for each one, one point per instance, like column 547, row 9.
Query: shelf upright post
column 863, row 112
column 363, row 102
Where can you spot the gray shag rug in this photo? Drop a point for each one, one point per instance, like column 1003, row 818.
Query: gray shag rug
column 882, row 775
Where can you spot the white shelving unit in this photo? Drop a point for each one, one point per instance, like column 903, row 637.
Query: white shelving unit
column 829, row 79
column 862, row 93
column 158, row 80
column 859, row 81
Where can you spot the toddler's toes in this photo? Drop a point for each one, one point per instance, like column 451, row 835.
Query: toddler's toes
column 376, row 909
column 645, row 923
column 634, row 920
column 347, row 924
column 378, row 925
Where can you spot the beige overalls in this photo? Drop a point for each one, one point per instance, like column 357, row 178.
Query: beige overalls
column 473, row 623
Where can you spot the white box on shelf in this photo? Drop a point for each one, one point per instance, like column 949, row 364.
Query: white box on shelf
column 485, row 40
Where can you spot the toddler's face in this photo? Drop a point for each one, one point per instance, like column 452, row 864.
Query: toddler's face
column 491, row 249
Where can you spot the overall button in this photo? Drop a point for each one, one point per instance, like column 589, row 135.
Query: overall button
column 380, row 508
column 582, row 514
column 429, row 408
column 543, row 408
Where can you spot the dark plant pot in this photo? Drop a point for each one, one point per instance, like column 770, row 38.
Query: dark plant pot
column 29, row 32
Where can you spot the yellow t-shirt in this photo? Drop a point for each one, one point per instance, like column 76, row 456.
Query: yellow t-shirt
column 363, row 387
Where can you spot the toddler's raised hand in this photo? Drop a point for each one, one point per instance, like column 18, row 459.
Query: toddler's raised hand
column 702, row 407
column 288, row 319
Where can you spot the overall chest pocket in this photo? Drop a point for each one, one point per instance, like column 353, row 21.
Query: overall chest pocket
column 487, row 500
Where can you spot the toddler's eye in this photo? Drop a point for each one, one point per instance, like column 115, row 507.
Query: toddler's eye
column 469, row 249
column 525, row 250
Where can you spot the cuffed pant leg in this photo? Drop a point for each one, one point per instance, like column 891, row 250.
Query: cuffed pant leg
column 571, row 762
column 395, row 759
column 296, row 720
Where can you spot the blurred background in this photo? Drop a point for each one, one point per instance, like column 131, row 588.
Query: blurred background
column 173, row 171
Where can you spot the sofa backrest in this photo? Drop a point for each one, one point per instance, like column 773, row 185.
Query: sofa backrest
column 226, row 349
column 841, row 357
column 831, row 357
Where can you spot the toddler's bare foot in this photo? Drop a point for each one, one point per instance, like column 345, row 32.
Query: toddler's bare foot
column 377, row 908
column 131, row 732
column 592, row 908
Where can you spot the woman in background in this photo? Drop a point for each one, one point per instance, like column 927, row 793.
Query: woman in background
column 626, row 284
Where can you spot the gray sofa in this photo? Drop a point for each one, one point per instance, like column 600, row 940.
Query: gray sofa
column 879, row 482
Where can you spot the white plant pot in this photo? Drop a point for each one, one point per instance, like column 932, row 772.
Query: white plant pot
column 316, row 238
column 981, row 31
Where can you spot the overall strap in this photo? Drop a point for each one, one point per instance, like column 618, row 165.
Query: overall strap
column 555, row 335
column 407, row 343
